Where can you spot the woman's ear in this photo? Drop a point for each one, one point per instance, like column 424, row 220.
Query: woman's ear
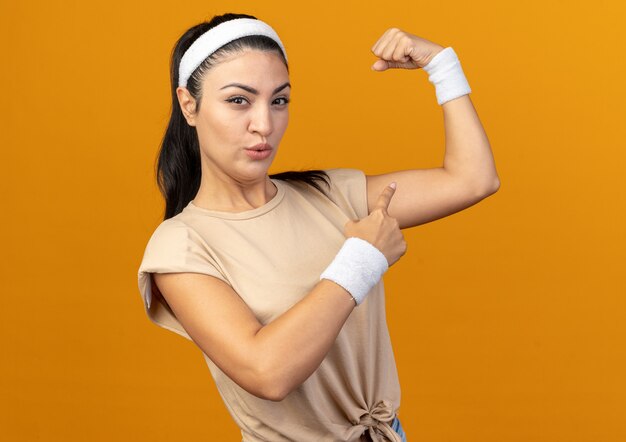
column 187, row 105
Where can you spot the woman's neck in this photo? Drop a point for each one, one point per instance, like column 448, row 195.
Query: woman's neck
column 226, row 194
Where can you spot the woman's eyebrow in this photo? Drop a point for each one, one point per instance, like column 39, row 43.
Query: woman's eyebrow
column 253, row 90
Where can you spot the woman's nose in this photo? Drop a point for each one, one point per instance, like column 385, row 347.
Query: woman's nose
column 261, row 120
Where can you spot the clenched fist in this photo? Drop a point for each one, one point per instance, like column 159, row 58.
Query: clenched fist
column 399, row 49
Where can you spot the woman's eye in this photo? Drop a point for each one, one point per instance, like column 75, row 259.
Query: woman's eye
column 237, row 100
column 285, row 100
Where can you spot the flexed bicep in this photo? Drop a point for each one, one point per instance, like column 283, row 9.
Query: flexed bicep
column 424, row 195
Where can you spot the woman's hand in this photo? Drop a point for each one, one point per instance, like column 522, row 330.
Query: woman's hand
column 379, row 229
column 399, row 49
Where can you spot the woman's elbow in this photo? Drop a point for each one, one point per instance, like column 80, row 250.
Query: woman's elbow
column 495, row 185
column 488, row 187
column 265, row 381
column 270, row 387
column 275, row 393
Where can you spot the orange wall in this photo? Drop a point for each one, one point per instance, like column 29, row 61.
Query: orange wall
column 507, row 319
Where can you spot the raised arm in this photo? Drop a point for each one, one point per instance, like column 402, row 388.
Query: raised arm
column 270, row 361
column 468, row 173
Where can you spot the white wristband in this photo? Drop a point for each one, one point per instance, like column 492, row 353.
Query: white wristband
column 446, row 73
column 357, row 267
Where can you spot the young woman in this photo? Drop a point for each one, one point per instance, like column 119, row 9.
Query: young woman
column 277, row 278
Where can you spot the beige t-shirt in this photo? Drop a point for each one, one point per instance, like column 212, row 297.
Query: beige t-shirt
column 272, row 256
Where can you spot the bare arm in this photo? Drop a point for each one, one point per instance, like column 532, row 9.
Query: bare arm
column 468, row 174
column 268, row 361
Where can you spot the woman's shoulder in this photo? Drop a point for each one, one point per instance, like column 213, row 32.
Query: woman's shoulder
column 348, row 188
column 343, row 173
column 173, row 234
column 338, row 175
column 168, row 230
column 175, row 247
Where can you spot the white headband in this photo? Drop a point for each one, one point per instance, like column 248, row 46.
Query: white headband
column 217, row 37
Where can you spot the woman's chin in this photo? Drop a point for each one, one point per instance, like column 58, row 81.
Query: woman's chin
column 255, row 172
column 260, row 167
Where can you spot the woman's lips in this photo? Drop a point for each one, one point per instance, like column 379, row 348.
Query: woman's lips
column 258, row 154
column 260, row 151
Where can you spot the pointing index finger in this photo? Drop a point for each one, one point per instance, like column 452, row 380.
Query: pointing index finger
column 385, row 197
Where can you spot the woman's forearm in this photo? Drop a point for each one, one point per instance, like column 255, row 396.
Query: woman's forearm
column 468, row 152
column 290, row 348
